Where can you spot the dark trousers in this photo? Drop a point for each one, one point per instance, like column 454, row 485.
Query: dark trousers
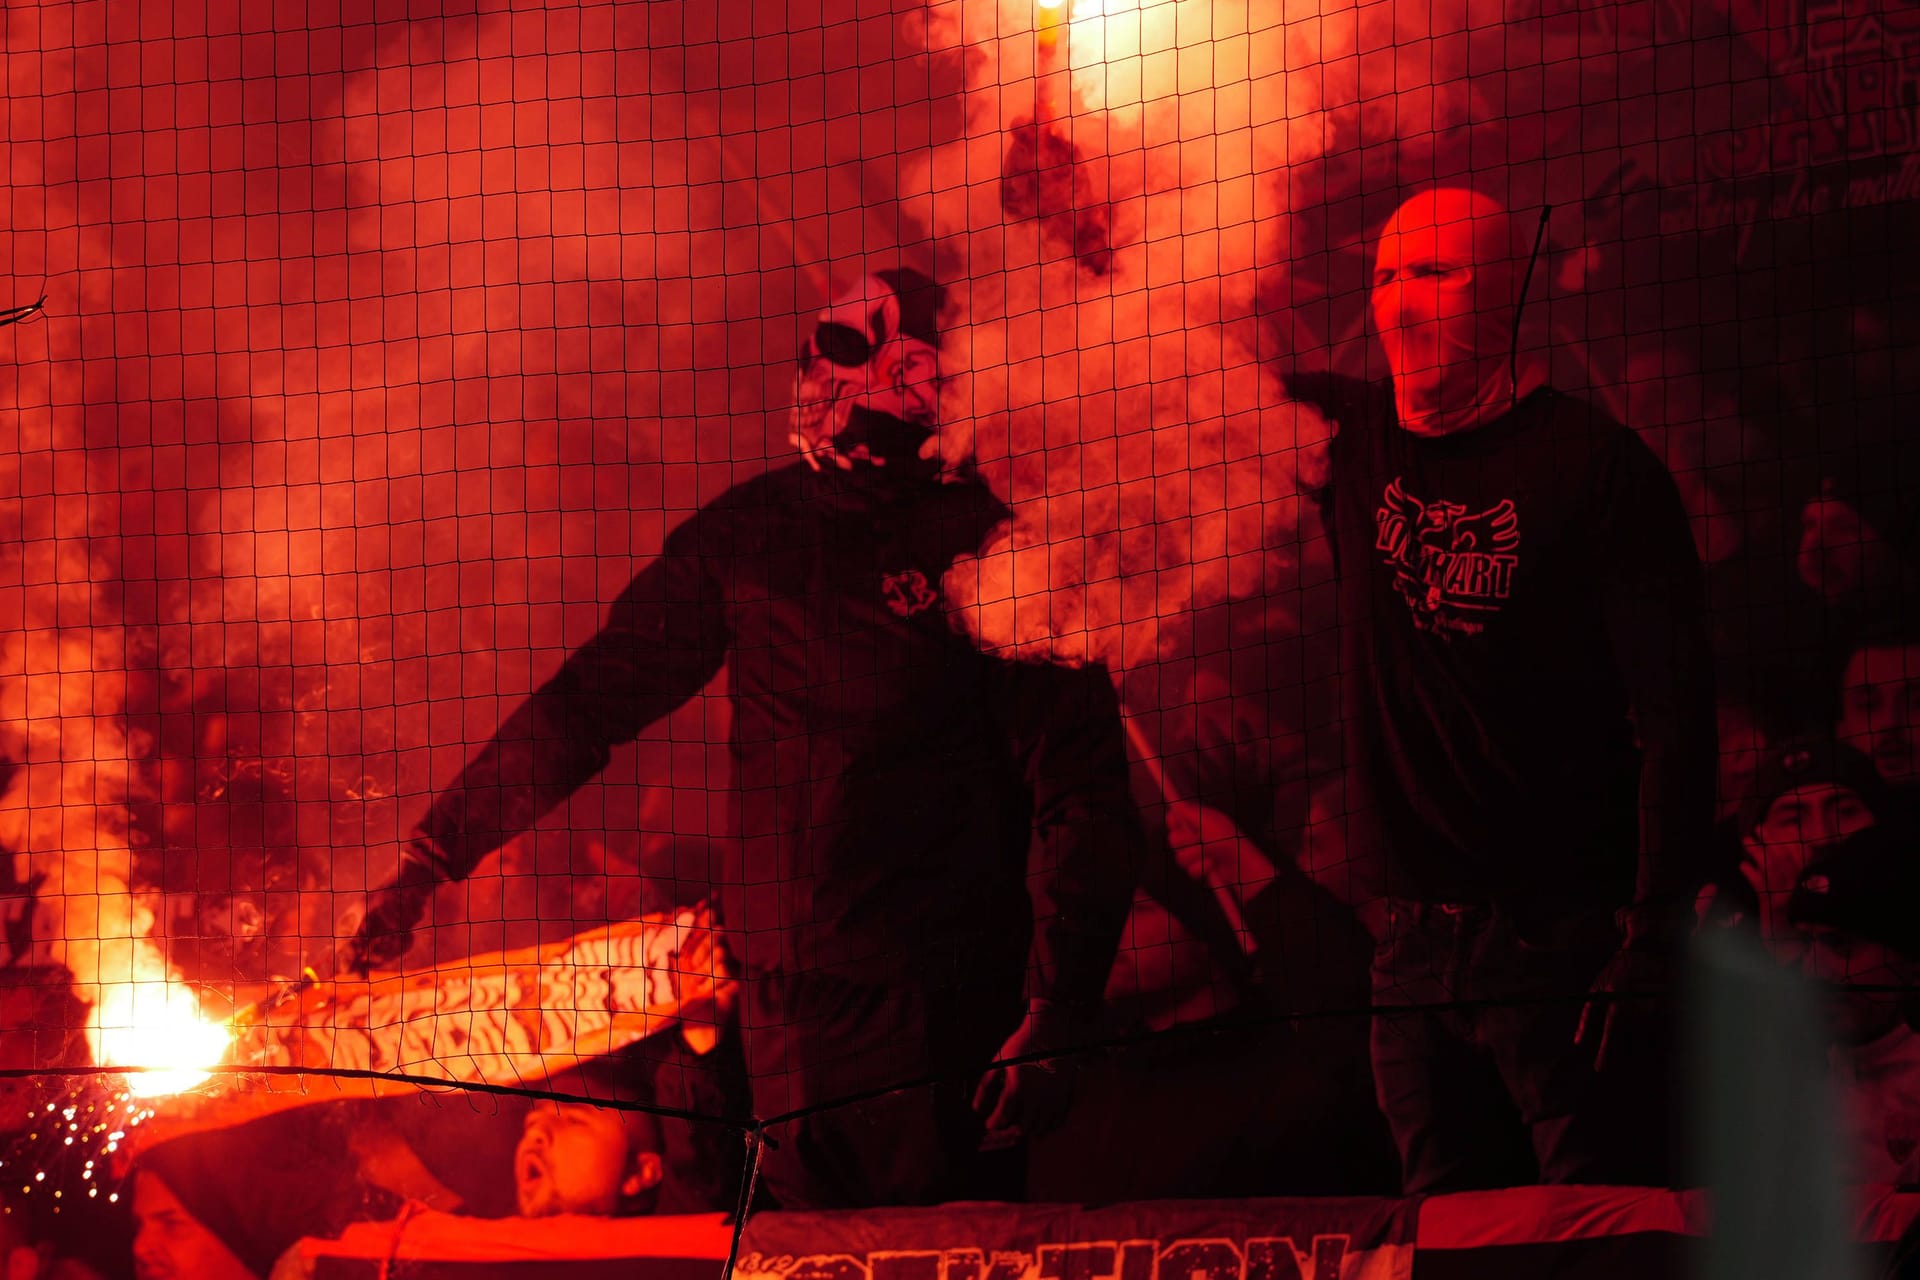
column 1243, row 1111
column 819, row 1041
column 705, row 1158
column 1482, row 1012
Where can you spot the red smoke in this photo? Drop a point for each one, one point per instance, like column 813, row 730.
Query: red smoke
column 379, row 352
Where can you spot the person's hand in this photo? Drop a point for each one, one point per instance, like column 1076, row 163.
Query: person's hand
column 1644, row 968
column 386, row 932
column 1029, row 1098
column 1704, row 903
column 1209, row 847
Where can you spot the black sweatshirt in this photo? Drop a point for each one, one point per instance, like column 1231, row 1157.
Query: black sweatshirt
column 1526, row 657
column 895, row 787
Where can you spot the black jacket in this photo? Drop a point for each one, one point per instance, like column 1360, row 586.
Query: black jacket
column 1526, row 659
column 892, row 783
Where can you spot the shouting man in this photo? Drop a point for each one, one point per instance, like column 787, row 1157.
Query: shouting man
column 893, row 782
column 1527, row 706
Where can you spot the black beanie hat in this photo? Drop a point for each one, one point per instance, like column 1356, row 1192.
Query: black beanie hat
column 1808, row 763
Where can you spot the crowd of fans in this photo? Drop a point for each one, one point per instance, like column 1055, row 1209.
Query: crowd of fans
column 1460, row 974
column 1827, row 874
column 1829, row 877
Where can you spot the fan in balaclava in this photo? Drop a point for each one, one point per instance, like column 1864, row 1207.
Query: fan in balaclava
column 1447, row 293
column 867, row 393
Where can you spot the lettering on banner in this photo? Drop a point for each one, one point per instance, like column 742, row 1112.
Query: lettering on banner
column 833, row 1266
column 923, row 1264
column 1076, row 1261
column 1260, row 1258
column 1199, row 1260
column 975, row 1264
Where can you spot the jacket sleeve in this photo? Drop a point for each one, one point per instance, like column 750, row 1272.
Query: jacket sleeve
column 1345, row 404
column 664, row 639
column 1086, row 844
column 1654, row 602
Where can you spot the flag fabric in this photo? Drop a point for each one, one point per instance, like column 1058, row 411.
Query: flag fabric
column 517, row 1019
column 510, row 1018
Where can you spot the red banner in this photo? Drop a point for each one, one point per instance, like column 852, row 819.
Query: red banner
column 514, row 1018
column 518, row 1019
column 1528, row 1233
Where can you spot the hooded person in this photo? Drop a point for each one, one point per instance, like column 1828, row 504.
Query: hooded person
column 867, row 389
column 1529, row 717
column 891, row 782
column 1449, row 268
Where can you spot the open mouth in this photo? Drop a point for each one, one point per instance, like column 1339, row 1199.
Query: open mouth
column 883, row 434
column 530, row 1175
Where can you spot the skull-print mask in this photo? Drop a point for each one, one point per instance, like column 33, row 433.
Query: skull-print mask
column 868, row 386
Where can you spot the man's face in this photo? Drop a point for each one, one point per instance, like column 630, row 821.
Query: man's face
column 1838, row 960
column 1839, row 554
column 169, row 1243
column 575, row 1158
column 1799, row 824
column 1880, row 710
column 1442, row 300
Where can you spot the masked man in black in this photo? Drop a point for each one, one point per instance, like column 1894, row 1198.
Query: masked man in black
column 1529, row 717
column 937, row 846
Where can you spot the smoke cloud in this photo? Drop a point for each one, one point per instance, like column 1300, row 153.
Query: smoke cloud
column 379, row 356
column 73, row 772
column 1112, row 373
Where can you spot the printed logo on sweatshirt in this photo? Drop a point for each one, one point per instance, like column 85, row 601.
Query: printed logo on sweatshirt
column 1452, row 567
column 908, row 592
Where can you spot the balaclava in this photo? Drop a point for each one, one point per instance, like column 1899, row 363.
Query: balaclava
column 867, row 392
column 1446, row 292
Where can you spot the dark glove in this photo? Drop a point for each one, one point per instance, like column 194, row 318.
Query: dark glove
column 393, row 910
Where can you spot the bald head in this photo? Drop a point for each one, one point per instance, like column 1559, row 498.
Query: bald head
column 1455, row 226
column 1446, row 281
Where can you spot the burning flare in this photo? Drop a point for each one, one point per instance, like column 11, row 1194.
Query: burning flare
column 158, row 1026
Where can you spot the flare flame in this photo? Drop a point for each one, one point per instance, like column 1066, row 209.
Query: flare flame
column 158, row 1026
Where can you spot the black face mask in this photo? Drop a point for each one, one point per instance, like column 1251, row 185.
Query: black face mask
column 895, row 440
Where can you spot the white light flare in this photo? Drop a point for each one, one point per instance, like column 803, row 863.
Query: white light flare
column 1100, row 43
column 158, row 1026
